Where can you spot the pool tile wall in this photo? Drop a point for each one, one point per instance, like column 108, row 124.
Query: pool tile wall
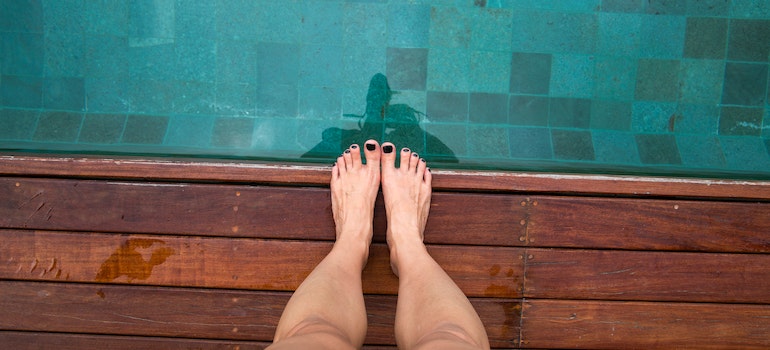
column 618, row 86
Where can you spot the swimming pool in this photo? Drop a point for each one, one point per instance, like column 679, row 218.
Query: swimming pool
column 597, row 86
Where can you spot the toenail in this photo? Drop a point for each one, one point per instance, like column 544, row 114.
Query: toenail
column 405, row 150
column 422, row 160
column 414, row 154
column 347, row 151
column 354, row 146
column 387, row 149
column 370, row 146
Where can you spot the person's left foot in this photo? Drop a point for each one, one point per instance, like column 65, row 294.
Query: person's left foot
column 354, row 188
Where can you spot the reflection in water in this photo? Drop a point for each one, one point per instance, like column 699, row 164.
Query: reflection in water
column 382, row 121
column 128, row 261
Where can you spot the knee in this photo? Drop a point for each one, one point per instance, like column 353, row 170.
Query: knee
column 314, row 333
column 451, row 336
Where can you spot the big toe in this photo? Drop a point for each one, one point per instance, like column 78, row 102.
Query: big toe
column 388, row 156
column 372, row 153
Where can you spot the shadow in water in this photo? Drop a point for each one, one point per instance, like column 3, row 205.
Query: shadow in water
column 382, row 121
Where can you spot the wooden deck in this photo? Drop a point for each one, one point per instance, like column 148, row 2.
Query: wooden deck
column 170, row 254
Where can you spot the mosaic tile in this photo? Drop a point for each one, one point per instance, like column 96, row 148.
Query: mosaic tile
column 447, row 106
column 750, row 8
column 488, row 108
column 668, row 33
column 407, row 68
column 447, row 141
column 492, row 29
column 448, row 70
column 572, row 144
column 743, row 153
column 107, row 95
column 22, row 54
column 570, row 112
column 748, row 40
column 572, row 76
column 63, row 16
column 627, row 6
column 363, row 25
column 102, row 128
column 658, row 149
column 615, row 78
column 194, row 19
column 408, row 135
column 58, row 126
column 106, row 57
column 657, row 80
column 234, row 99
column 408, row 25
column 189, row 130
column 64, row 54
column 243, row 26
column 268, row 134
column 195, row 59
column 151, row 96
column 666, row 7
column 145, row 129
column 653, row 117
column 554, row 32
column 489, row 71
column 280, row 22
column 701, row 151
column 360, row 64
column 530, row 73
column 528, row 110
column 614, row 147
column 318, row 102
column 322, row 23
column 278, row 63
column 741, row 121
column 21, row 16
column 17, row 124
column 698, row 119
column 107, row 17
column 277, row 100
column 320, row 65
column 611, row 115
column 153, row 62
column 232, row 132
column 192, row 97
column 449, row 28
column 618, row 34
column 64, row 93
column 701, row 81
column 745, row 84
column 705, row 38
column 488, row 141
column 716, row 8
column 21, row 91
column 530, row 143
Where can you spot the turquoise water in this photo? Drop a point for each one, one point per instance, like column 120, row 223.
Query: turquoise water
column 594, row 86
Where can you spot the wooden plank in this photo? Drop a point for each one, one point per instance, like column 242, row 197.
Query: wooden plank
column 68, row 341
column 236, row 211
column 578, row 324
column 654, row 276
column 639, row 224
column 452, row 180
column 231, row 262
column 195, row 313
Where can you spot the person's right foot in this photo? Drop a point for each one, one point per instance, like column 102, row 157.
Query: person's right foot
column 407, row 191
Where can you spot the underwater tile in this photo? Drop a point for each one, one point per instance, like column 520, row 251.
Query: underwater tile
column 611, row 115
column 145, row 129
column 666, row 7
column 444, row 141
column 713, row 8
column 492, row 29
column 278, row 63
column 236, row 61
column 449, row 27
column 235, row 99
column 102, row 128
column 63, row 16
column 488, row 108
column 697, row 119
column 190, row 130
column 360, row 64
column 741, row 121
column 21, row 91
column 530, row 143
column 554, row 32
column 363, row 24
column 750, row 8
column 528, row 110
column 21, row 16
column 320, row 102
column 570, row 112
column 448, row 69
column 572, row 76
column 276, row 134
column 669, row 34
column 572, row 144
column 277, row 100
column 658, row 149
column 58, row 126
column 17, row 124
column 151, row 20
column 701, row 151
column 748, row 40
column 657, row 80
column 232, row 132
column 322, row 23
column 490, row 71
column 488, row 141
column 653, row 117
column 106, row 56
column 154, row 62
column 195, row 59
column 701, row 81
column 320, row 139
column 408, row 25
column 64, row 54
column 64, row 93
column 408, row 135
column 407, row 69
column 615, row 77
column 746, row 153
column 199, row 19
column 151, row 96
column 625, row 6
column 615, row 147
column 447, row 106
column 280, row 21
column 618, row 34
column 22, row 54
column 530, row 73
column 108, row 17
column 193, row 97
column 705, row 38
column 107, row 95
column 745, row 84
column 237, row 20
column 320, row 65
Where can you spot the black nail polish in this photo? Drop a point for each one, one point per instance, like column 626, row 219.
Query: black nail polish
column 347, row 151
column 370, row 146
column 387, row 149
column 405, row 150
column 354, row 147
column 422, row 160
column 414, row 155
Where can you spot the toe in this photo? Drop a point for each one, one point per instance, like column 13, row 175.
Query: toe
column 388, row 156
column 355, row 156
column 348, row 159
column 372, row 153
column 340, row 164
column 414, row 161
column 406, row 155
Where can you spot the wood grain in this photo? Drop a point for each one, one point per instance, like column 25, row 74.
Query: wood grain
column 195, row 313
column 562, row 324
column 70, row 341
column 611, row 223
column 655, row 276
column 231, row 263
column 236, row 211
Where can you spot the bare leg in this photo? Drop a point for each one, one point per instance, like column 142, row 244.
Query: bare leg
column 432, row 312
column 327, row 310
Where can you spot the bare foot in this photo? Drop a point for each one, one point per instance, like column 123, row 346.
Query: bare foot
column 354, row 187
column 406, row 191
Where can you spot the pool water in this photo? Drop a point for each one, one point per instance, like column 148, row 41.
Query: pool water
column 595, row 86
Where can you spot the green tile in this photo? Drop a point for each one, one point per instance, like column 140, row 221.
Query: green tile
column 611, row 115
column 658, row 149
column 145, row 129
column 740, row 121
column 748, row 40
column 102, row 128
column 488, row 142
column 447, row 106
column 570, row 112
column 17, row 124
column 657, row 80
column 705, row 38
column 572, row 145
column 445, row 142
column 528, row 110
column 232, row 132
column 58, row 126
